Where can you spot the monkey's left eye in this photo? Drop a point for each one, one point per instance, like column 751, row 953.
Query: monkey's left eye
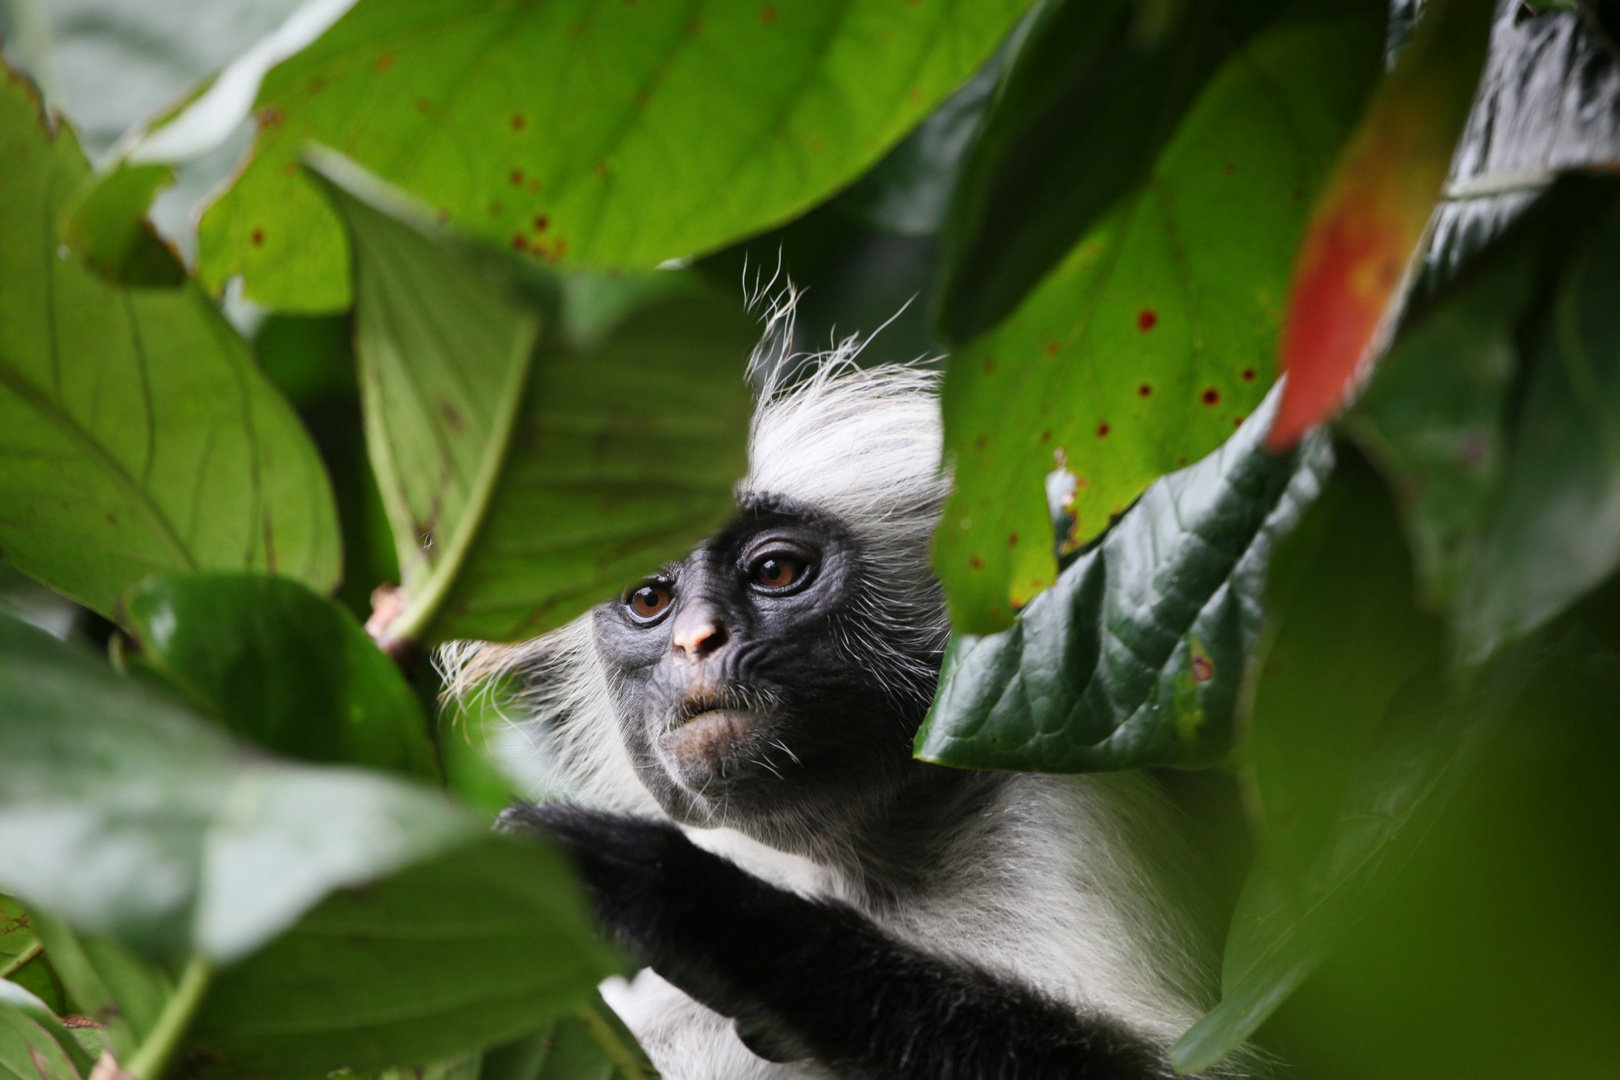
column 776, row 571
column 650, row 601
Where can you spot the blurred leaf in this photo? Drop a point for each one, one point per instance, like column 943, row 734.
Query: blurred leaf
column 461, row 1067
column 1135, row 656
column 519, row 497
column 105, row 226
column 1147, row 346
column 1371, row 218
column 15, row 997
column 1354, row 743
column 310, row 359
column 122, row 992
column 583, row 131
column 1497, row 414
column 22, row 959
column 136, row 434
column 1088, row 102
column 27, row 1051
column 590, row 1044
column 283, row 668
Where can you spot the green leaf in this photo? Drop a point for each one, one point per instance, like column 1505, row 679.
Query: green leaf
column 590, row 1044
column 1155, row 337
column 539, row 442
column 1136, row 655
column 1497, row 416
column 614, row 135
column 122, row 992
column 15, row 997
column 136, row 434
column 1354, row 745
column 282, row 667
column 27, row 1051
column 1089, row 100
column 105, row 226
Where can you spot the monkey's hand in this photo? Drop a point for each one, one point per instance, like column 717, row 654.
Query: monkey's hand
column 812, row 978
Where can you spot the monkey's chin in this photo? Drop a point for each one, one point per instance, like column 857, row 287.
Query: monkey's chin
column 711, row 745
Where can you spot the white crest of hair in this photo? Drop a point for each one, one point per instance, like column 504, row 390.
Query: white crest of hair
column 1057, row 882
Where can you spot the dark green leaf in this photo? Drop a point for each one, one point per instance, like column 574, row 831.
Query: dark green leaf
column 616, row 135
column 1157, row 334
column 1497, row 416
column 539, row 442
column 1136, row 655
column 136, row 434
column 1092, row 95
column 15, row 997
column 1355, row 743
column 282, row 667
column 590, row 1044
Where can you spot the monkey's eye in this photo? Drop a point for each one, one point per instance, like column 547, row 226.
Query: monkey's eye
column 650, row 601
column 776, row 571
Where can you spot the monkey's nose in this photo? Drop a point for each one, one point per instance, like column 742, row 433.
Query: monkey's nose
column 698, row 630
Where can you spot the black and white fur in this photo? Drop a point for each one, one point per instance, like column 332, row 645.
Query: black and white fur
column 810, row 900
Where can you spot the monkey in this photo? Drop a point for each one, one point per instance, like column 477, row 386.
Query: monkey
column 727, row 755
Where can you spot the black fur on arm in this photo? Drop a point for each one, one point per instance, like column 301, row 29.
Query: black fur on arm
column 811, row 978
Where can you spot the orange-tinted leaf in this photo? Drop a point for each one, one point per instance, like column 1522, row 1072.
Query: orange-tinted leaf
column 1372, row 216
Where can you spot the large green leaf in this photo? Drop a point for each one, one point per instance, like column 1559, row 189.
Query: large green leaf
column 26, row 1002
column 1497, row 416
column 136, row 434
column 1155, row 337
column 539, row 442
column 614, row 134
column 1354, row 743
column 1093, row 93
column 282, row 667
column 362, row 922
column 27, row 1051
column 1136, row 654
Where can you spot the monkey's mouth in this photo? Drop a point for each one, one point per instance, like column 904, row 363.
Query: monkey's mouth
column 713, row 736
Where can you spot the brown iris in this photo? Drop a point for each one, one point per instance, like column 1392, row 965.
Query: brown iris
column 777, row 572
column 649, row 601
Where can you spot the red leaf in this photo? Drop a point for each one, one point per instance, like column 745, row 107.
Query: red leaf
column 1373, row 213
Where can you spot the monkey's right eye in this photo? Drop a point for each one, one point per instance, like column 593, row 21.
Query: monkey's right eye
column 650, row 601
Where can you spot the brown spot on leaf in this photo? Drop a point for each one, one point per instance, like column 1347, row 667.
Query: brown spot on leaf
column 516, row 177
column 1237, row 421
column 1147, row 319
column 1229, row 168
column 990, row 366
column 1051, row 348
column 981, row 442
column 1211, row 396
column 385, row 61
column 520, row 242
column 1012, row 539
column 1203, row 669
column 452, row 416
column 767, row 15
column 534, row 183
column 975, row 562
column 541, row 222
column 641, row 99
column 600, row 169
column 518, row 122
column 1248, row 374
column 496, row 207
column 270, row 116
column 315, row 85
column 423, row 105
column 257, row 236
column 1144, row 390
column 1046, row 436
column 1103, row 430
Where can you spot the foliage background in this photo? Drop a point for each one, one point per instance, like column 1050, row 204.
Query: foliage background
column 337, row 297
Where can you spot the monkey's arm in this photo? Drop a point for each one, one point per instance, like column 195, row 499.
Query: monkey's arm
column 808, row 978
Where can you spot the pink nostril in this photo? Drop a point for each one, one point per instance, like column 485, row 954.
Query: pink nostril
column 698, row 631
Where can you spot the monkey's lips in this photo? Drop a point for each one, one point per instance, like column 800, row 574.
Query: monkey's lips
column 712, row 742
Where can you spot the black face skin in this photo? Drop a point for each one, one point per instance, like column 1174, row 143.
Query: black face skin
column 737, row 687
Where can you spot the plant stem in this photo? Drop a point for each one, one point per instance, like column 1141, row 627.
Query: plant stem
column 152, row 1058
column 21, row 960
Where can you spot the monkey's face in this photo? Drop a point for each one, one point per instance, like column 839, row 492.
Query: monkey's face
column 746, row 678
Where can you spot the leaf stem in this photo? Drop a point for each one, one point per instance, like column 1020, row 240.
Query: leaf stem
column 152, row 1058
column 22, row 959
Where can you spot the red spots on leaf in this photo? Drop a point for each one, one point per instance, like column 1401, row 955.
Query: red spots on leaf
column 558, row 250
column 520, row 242
column 1297, row 194
column 290, row 169
column 981, row 442
column 1248, row 374
column 496, row 208
column 1046, row 436
column 519, row 122
column 541, row 223
column 443, row 214
column 976, row 563
column 534, row 183
column 990, row 366
column 1203, row 669
column 452, row 416
column 1144, row 390
column 1211, row 396
column 315, row 85
column 517, row 177
column 767, row 15
column 1180, row 462
column 1147, row 319
column 640, row 99
column 915, row 97
column 257, row 236
column 1052, row 348
column 1103, row 430
column 694, row 26
column 423, row 105
column 1012, row 539
column 1229, row 168
column 600, row 169
column 385, row 61
column 1237, row 421
column 270, row 117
